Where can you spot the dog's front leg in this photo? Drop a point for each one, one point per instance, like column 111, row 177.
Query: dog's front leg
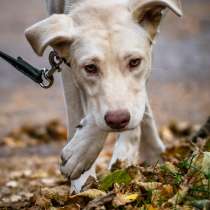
column 127, row 147
column 81, row 152
column 151, row 146
column 140, row 144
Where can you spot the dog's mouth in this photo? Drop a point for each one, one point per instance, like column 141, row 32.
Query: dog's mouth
column 118, row 130
column 122, row 126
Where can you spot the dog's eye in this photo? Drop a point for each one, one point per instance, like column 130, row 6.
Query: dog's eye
column 91, row 69
column 134, row 63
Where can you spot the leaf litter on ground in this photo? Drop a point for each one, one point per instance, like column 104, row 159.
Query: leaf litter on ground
column 182, row 182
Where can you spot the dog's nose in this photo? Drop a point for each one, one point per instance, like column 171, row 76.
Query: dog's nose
column 118, row 119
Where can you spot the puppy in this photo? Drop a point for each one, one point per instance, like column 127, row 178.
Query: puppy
column 109, row 46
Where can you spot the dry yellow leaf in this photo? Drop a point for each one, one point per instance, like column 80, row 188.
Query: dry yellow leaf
column 122, row 199
column 132, row 197
column 150, row 185
column 92, row 194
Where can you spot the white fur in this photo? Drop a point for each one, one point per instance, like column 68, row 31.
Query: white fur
column 77, row 184
column 127, row 147
column 108, row 34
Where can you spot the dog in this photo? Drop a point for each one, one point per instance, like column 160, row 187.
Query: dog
column 109, row 46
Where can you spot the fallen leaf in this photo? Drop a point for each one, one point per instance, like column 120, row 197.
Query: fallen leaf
column 118, row 176
column 206, row 164
column 12, row 184
column 122, row 199
column 91, row 193
column 98, row 202
column 150, row 185
column 15, row 198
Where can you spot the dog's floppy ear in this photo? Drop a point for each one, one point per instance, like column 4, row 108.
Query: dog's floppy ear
column 148, row 13
column 54, row 31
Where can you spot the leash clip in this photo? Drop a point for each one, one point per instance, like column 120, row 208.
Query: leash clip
column 47, row 74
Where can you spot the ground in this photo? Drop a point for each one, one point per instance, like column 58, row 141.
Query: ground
column 30, row 181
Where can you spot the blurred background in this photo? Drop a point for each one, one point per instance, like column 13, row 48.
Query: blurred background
column 179, row 88
column 33, row 121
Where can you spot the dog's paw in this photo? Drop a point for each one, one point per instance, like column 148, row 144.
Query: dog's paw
column 83, row 149
column 76, row 160
column 77, row 184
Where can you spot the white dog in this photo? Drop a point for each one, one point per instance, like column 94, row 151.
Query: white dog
column 109, row 46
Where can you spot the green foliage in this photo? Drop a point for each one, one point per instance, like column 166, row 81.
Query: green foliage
column 116, row 177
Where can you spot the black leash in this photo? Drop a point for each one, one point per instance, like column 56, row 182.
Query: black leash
column 44, row 77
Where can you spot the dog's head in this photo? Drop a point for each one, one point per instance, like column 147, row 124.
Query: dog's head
column 108, row 44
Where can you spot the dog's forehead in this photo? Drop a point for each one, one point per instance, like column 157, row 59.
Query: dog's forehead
column 100, row 12
column 116, row 42
column 103, row 30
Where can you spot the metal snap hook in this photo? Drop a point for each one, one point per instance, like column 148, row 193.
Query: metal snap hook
column 47, row 74
column 47, row 81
